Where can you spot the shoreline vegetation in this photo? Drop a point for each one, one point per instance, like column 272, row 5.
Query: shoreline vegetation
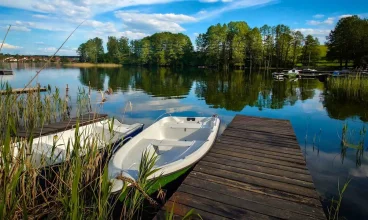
column 87, row 65
column 237, row 45
column 32, row 189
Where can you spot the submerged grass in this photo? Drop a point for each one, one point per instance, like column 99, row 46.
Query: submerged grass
column 333, row 211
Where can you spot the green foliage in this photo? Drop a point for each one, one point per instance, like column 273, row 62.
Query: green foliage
column 349, row 41
column 91, row 51
column 78, row 188
column 311, row 51
column 118, row 50
column 333, row 211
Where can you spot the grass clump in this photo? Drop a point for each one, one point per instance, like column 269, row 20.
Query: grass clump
column 78, row 188
column 349, row 88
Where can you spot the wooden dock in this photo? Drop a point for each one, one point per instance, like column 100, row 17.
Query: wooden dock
column 63, row 125
column 255, row 170
column 6, row 72
column 23, row 90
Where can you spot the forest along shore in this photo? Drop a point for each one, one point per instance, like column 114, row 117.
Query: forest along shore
column 237, row 45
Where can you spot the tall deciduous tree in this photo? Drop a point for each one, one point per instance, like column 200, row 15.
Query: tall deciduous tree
column 94, row 50
column 311, row 51
column 296, row 45
column 348, row 41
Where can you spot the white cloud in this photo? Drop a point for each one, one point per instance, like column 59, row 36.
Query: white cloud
column 60, row 25
column 232, row 5
column 62, row 51
column 318, row 33
column 328, row 21
column 211, row 1
column 44, row 7
column 17, row 28
column 208, row 1
column 318, row 16
column 149, row 23
column 41, row 16
column 345, row 16
column 89, row 8
column 312, row 31
column 77, row 8
column 10, row 47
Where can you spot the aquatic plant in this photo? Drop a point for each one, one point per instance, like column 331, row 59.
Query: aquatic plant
column 333, row 211
column 347, row 143
column 348, row 88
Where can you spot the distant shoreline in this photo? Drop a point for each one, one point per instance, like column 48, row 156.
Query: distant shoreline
column 92, row 64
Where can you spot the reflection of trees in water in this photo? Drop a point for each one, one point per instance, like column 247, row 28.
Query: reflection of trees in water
column 224, row 90
column 93, row 76
column 229, row 90
column 120, row 78
column 235, row 90
column 347, row 144
column 342, row 109
column 163, row 82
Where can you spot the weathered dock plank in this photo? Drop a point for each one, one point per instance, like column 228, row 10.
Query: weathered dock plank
column 23, row 90
column 6, row 72
column 255, row 170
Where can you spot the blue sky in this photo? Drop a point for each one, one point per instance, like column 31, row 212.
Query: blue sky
column 39, row 27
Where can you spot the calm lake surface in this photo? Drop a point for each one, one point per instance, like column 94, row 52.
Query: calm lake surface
column 317, row 119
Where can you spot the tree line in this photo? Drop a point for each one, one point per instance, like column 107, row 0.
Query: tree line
column 160, row 49
column 236, row 45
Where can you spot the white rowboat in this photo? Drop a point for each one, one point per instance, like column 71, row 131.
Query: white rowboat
column 52, row 149
column 178, row 143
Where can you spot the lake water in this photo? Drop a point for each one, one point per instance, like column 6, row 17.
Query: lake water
column 143, row 95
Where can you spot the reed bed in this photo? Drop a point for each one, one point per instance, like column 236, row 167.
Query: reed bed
column 349, row 88
column 79, row 188
column 28, row 111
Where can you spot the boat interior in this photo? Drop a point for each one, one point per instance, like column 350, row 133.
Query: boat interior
column 171, row 139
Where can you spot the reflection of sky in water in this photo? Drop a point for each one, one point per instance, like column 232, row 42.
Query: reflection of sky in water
column 302, row 103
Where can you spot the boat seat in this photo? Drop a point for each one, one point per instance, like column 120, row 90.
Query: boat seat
column 184, row 125
column 171, row 143
column 159, row 147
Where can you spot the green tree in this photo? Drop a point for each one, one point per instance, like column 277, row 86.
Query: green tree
column 296, row 45
column 113, row 53
column 237, row 36
column 94, row 50
column 254, row 46
column 268, row 34
column 311, row 51
column 348, row 41
column 82, row 52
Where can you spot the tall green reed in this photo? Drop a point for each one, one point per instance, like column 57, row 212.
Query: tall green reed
column 334, row 209
column 79, row 187
column 349, row 88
